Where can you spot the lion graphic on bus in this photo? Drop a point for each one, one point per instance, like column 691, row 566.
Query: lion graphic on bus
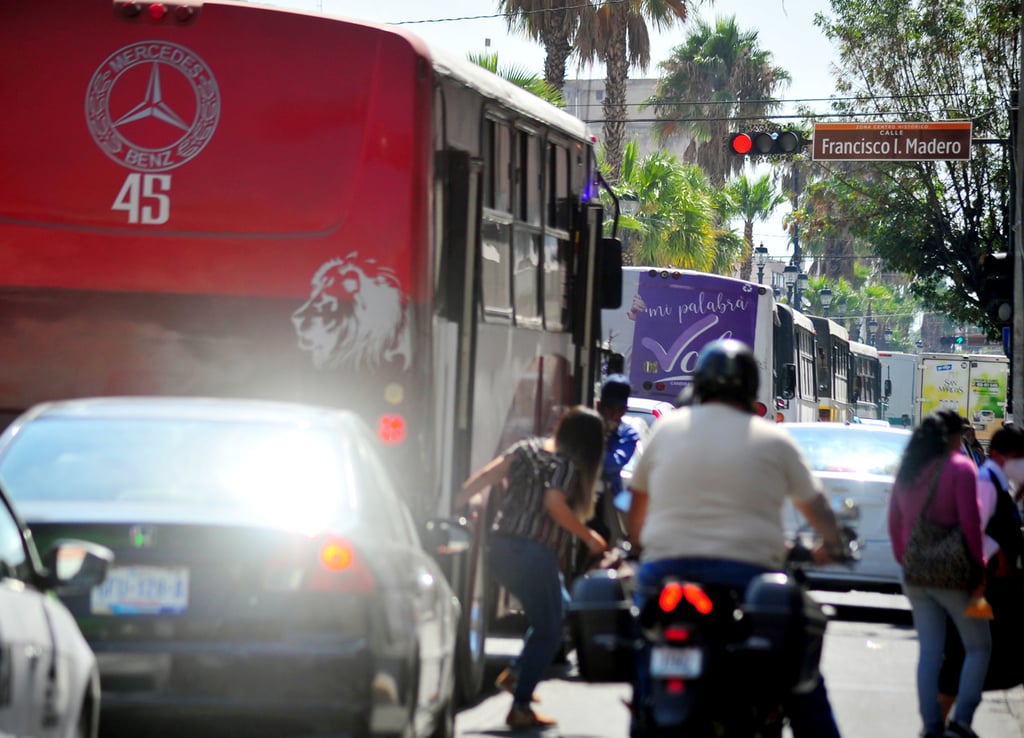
column 356, row 316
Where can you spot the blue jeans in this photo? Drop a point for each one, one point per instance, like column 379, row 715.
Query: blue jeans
column 530, row 571
column 810, row 715
column 930, row 606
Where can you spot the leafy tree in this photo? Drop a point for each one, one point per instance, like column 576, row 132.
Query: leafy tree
column 676, row 223
column 553, row 23
column 854, row 304
column 616, row 33
column 752, row 201
column 521, row 77
column 919, row 60
column 718, row 73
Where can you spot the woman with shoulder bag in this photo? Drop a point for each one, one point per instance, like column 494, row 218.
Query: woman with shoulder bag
column 935, row 507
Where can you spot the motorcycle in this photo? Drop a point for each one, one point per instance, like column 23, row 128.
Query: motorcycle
column 718, row 662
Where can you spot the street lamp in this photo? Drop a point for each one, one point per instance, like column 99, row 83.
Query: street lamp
column 887, row 335
column 825, row 295
column 802, row 282
column 629, row 204
column 760, row 258
column 789, row 277
column 872, row 331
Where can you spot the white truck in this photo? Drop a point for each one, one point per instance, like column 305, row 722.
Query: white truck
column 972, row 384
column 899, row 388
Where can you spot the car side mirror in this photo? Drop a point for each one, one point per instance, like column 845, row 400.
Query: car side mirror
column 446, row 537
column 887, row 391
column 75, row 567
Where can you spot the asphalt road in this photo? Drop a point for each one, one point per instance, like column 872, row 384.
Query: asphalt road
column 869, row 664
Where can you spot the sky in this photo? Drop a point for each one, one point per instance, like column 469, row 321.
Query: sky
column 785, row 28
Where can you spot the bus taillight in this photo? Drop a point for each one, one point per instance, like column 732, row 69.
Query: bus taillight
column 391, row 429
column 761, row 409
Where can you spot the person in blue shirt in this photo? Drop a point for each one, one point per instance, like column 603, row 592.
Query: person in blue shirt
column 620, row 445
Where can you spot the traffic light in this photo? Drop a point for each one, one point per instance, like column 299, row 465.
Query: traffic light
column 764, row 143
column 960, row 340
column 996, row 291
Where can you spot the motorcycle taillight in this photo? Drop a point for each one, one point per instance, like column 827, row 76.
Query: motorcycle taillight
column 675, row 592
column 677, row 634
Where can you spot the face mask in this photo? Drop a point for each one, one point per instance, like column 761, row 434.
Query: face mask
column 1014, row 469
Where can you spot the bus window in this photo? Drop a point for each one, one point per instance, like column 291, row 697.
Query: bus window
column 495, row 269
column 559, row 205
column 526, row 278
column 528, row 179
column 497, row 187
column 556, row 283
column 805, row 352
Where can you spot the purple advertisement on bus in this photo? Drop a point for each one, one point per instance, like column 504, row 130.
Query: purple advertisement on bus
column 676, row 315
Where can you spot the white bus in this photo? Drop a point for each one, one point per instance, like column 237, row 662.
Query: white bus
column 796, row 393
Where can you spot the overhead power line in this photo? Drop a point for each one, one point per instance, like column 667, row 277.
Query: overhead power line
column 501, row 15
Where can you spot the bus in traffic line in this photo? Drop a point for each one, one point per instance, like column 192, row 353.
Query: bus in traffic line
column 668, row 315
column 833, row 366
column 865, row 382
column 225, row 199
column 796, row 395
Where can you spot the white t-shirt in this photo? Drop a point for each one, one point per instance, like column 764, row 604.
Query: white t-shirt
column 716, row 479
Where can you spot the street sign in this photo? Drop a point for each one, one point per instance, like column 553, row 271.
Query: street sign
column 935, row 141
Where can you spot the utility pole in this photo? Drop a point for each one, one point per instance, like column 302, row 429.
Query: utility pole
column 1017, row 253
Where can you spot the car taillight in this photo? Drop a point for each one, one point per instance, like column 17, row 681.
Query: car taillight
column 332, row 565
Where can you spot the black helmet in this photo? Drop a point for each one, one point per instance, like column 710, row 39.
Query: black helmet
column 726, row 371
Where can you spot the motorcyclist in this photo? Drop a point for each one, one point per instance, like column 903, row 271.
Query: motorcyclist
column 708, row 494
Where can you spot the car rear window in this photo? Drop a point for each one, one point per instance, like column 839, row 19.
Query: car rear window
column 240, row 465
column 841, row 448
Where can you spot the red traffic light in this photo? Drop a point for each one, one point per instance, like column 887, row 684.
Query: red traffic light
column 741, row 143
column 760, row 143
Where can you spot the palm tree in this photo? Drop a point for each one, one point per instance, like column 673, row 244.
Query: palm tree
column 718, row 73
column 752, row 201
column 553, row 23
column 675, row 225
column 616, row 34
column 520, row 77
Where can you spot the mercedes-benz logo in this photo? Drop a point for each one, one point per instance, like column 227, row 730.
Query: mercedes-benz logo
column 152, row 106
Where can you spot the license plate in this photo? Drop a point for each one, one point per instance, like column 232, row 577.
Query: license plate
column 141, row 590
column 678, row 663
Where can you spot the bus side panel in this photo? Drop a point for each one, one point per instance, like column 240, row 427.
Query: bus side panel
column 899, row 375
column 986, row 405
column 668, row 316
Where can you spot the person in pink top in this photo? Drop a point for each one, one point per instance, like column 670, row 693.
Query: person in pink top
column 935, row 444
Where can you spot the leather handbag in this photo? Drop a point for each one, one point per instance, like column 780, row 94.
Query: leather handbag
column 936, row 556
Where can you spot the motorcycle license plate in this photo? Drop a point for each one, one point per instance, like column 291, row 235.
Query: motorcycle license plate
column 677, row 663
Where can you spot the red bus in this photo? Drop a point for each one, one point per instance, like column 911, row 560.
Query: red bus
column 232, row 200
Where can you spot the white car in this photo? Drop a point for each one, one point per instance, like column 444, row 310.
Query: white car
column 642, row 413
column 49, row 682
column 855, row 463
